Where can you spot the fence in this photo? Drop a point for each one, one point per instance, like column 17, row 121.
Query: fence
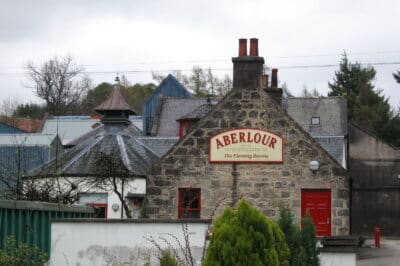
column 30, row 223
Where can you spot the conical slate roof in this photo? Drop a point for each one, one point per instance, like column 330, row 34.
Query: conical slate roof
column 108, row 139
column 117, row 136
column 115, row 102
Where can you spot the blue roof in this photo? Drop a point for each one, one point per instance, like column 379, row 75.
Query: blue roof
column 6, row 128
column 170, row 87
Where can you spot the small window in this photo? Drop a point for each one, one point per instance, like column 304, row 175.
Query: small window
column 314, row 120
column 184, row 127
column 100, row 210
column 189, row 203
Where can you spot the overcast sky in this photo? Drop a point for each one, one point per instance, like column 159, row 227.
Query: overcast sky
column 137, row 37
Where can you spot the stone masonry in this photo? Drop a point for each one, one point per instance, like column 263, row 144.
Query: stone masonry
column 265, row 185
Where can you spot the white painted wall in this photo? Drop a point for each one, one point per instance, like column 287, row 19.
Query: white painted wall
column 135, row 185
column 101, row 243
column 337, row 259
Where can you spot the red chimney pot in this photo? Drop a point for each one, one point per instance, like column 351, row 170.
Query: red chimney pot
column 253, row 47
column 242, row 47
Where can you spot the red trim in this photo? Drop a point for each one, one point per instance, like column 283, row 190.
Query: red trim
column 105, row 205
column 182, row 124
column 180, row 199
column 221, row 132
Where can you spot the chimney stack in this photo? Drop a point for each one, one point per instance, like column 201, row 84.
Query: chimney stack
column 253, row 47
column 274, row 78
column 264, row 81
column 274, row 92
column 247, row 69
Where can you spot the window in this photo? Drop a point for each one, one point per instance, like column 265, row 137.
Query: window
column 100, row 210
column 314, row 120
column 189, row 204
column 96, row 200
column 184, row 127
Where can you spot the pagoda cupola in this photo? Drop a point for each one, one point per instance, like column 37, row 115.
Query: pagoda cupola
column 115, row 110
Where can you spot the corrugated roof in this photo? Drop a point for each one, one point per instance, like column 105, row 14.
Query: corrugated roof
column 69, row 128
column 26, row 139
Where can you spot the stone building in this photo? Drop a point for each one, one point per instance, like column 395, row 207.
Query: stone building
column 248, row 146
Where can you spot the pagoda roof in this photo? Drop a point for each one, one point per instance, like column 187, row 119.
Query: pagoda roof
column 115, row 102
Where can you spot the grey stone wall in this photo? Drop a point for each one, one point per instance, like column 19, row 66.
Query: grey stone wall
column 265, row 185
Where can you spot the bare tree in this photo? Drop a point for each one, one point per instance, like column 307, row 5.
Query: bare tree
column 212, row 81
column 8, row 106
column 224, row 85
column 111, row 175
column 48, row 189
column 198, row 81
column 59, row 82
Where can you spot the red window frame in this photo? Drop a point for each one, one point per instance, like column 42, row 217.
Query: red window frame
column 105, row 205
column 184, row 127
column 182, row 210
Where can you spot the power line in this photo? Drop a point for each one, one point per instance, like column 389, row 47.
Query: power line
column 128, row 71
column 221, row 59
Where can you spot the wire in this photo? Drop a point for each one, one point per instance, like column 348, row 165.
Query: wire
column 127, row 71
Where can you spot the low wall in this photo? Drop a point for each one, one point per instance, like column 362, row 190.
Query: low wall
column 29, row 221
column 338, row 259
column 126, row 242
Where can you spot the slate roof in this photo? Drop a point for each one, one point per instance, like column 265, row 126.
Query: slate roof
column 335, row 146
column 160, row 145
column 120, row 139
column 332, row 112
column 198, row 113
column 171, row 109
column 169, row 87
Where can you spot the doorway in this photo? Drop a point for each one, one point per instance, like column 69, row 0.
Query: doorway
column 318, row 203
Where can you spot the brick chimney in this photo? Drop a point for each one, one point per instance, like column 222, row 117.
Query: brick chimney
column 247, row 69
column 273, row 91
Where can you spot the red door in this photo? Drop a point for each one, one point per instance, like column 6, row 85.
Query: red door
column 318, row 202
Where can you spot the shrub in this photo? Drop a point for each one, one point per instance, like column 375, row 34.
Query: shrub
column 21, row 254
column 293, row 237
column 246, row 237
column 302, row 243
column 167, row 258
column 309, row 240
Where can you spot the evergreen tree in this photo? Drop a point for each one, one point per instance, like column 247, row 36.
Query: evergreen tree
column 309, row 241
column 367, row 106
column 246, row 237
column 293, row 237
